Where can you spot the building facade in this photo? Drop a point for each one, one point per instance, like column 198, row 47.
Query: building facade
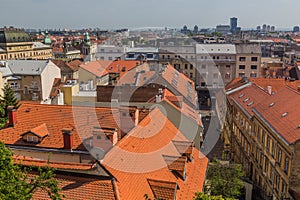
column 262, row 132
column 16, row 44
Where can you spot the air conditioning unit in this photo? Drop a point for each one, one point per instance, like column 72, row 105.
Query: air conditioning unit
column 69, row 82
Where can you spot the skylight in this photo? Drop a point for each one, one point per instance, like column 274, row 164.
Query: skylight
column 250, row 104
column 242, row 95
column 284, row 114
column 272, row 104
column 246, row 99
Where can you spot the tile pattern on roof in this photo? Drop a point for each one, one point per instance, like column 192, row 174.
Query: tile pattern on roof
column 80, row 119
column 139, row 157
column 163, row 189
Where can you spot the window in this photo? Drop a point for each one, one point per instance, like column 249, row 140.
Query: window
column 203, row 66
column 241, row 75
column 99, row 137
column 242, row 59
column 163, row 56
column 253, row 75
column 191, row 67
column 102, row 50
column 31, row 138
column 191, row 75
column 242, row 67
column 227, row 76
column 227, row 66
column 254, row 67
column 254, row 59
column 110, row 58
column 286, row 169
column 279, row 156
column 186, row 66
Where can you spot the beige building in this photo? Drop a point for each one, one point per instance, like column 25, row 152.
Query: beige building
column 1, row 84
column 262, row 132
column 30, row 79
column 16, row 44
column 248, row 60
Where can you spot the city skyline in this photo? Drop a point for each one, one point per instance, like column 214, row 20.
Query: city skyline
column 134, row 14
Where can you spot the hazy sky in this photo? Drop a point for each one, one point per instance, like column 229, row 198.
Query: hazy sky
column 147, row 13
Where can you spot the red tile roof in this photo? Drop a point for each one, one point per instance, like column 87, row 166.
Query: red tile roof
column 80, row 119
column 181, row 83
column 139, row 157
column 283, row 97
column 98, row 68
column 121, row 66
column 78, row 188
column 284, row 114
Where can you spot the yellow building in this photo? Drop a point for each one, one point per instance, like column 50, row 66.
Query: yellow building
column 262, row 133
column 16, row 44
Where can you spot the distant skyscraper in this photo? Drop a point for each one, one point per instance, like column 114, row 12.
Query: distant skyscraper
column 258, row 28
column 268, row 28
column 233, row 24
column 196, row 29
column 272, row 28
column 296, row 29
column 264, row 28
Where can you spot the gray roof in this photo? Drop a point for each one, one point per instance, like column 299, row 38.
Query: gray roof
column 215, row 49
column 27, row 67
column 248, row 49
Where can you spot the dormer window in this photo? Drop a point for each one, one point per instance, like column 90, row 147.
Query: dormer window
column 36, row 134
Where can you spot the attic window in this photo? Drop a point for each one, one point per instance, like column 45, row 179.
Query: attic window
column 272, row 104
column 250, row 104
column 284, row 114
column 32, row 138
column 242, row 95
column 246, row 100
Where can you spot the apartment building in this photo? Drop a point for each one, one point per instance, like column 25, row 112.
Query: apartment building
column 215, row 65
column 262, row 132
column 248, row 60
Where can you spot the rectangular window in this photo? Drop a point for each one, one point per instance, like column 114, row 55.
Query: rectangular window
column 242, row 59
column 279, row 156
column 253, row 75
column 254, row 67
column 254, row 59
column 203, row 66
column 186, row 66
column 287, row 162
column 242, row 67
column 227, row 76
column 241, row 75
column 227, row 66
column 191, row 66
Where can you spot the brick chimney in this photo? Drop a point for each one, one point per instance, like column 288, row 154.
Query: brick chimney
column 68, row 138
column 12, row 116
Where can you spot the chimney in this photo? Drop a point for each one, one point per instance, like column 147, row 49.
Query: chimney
column 12, row 116
column 270, row 90
column 68, row 138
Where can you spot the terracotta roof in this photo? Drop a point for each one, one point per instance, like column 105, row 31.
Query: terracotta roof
column 121, row 66
column 98, row 68
column 77, row 188
column 275, row 105
column 185, row 109
column 138, row 157
column 80, row 119
column 282, row 113
column 66, row 67
column 40, row 130
column 163, row 189
column 181, row 83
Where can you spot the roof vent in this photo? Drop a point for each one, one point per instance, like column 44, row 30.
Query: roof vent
column 250, row 104
column 246, row 100
column 284, row 114
column 242, row 95
column 272, row 104
column 299, row 126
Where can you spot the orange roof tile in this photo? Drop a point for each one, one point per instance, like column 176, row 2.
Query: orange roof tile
column 139, row 157
column 98, row 68
column 40, row 130
column 181, row 83
column 77, row 188
column 80, row 119
column 121, row 66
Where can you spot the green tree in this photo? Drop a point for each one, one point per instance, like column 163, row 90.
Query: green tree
column 8, row 98
column 202, row 196
column 225, row 179
column 20, row 183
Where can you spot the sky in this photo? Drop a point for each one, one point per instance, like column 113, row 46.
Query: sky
column 113, row 14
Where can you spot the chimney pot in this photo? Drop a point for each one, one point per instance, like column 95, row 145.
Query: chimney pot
column 12, row 116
